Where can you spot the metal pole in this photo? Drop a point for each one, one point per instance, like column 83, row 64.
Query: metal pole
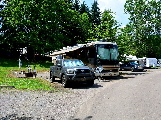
column 20, row 64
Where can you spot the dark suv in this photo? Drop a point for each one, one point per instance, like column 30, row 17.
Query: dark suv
column 133, row 66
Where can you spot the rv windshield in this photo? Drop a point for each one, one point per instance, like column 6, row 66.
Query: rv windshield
column 107, row 52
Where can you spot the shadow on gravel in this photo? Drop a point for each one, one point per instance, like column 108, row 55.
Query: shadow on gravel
column 86, row 86
column 114, row 78
column 75, row 85
column 124, row 75
column 132, row 75
column 87, row 118
column 137, row 73
column 109, row 79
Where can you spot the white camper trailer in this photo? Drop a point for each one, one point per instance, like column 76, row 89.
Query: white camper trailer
column 148, row 62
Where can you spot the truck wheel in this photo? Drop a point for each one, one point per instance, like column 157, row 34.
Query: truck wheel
column 64, row 81
column 53, row 79
column 132, row 69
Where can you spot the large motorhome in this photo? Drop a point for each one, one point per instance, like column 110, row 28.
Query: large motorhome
column 102, row 56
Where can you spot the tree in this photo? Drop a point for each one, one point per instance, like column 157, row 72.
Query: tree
column 145, row 19
column 125, row 41
column 76, row 5
column 72, row 28
column 84, row 9
column 108, row 26
column 43, row 25
column 95, row 14
column 86, row 25
column 2, row 6
column 34, row 24
column 107, row 29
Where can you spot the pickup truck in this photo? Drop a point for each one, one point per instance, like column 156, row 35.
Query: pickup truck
column 70, row 71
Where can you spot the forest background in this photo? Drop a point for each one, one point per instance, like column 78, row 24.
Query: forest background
column 47, row 25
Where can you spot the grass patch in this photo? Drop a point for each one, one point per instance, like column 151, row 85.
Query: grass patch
column 6, row 78
column 155, row 67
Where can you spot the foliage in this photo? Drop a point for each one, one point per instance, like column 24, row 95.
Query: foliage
column 125, row 41
column 44, row 26
column 145, row 26
column 108, row 27
column 76, row 5
column 84, row 9
column 31, row 24
column 95, row 14
column 34, row 24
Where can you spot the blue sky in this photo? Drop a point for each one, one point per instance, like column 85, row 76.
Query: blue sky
column 116, row 6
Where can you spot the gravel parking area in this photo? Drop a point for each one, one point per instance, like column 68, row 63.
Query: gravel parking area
column 46, row 105
column 43, row 105
column 37, row 105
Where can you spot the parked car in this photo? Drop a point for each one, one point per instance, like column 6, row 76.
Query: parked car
column 133, row 66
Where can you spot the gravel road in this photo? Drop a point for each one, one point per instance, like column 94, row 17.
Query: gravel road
column 136, row 98
column 79, row 102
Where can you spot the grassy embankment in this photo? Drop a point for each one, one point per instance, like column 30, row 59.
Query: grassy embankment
column 8, row 66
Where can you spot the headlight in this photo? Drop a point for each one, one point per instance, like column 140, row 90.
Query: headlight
column 70, row 71
column 91, row 70
column 99, row 69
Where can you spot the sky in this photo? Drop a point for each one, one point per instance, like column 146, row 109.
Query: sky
column 116, row 6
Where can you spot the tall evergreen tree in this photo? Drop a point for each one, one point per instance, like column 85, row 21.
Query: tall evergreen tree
column 84, row 8
column 76, row 5
column 95, row 13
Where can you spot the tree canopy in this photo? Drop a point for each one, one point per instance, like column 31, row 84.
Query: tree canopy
column 145, row 26
column 44, row 26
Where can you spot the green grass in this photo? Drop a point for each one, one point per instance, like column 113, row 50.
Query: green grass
column 155, row 67
column 7, row 67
